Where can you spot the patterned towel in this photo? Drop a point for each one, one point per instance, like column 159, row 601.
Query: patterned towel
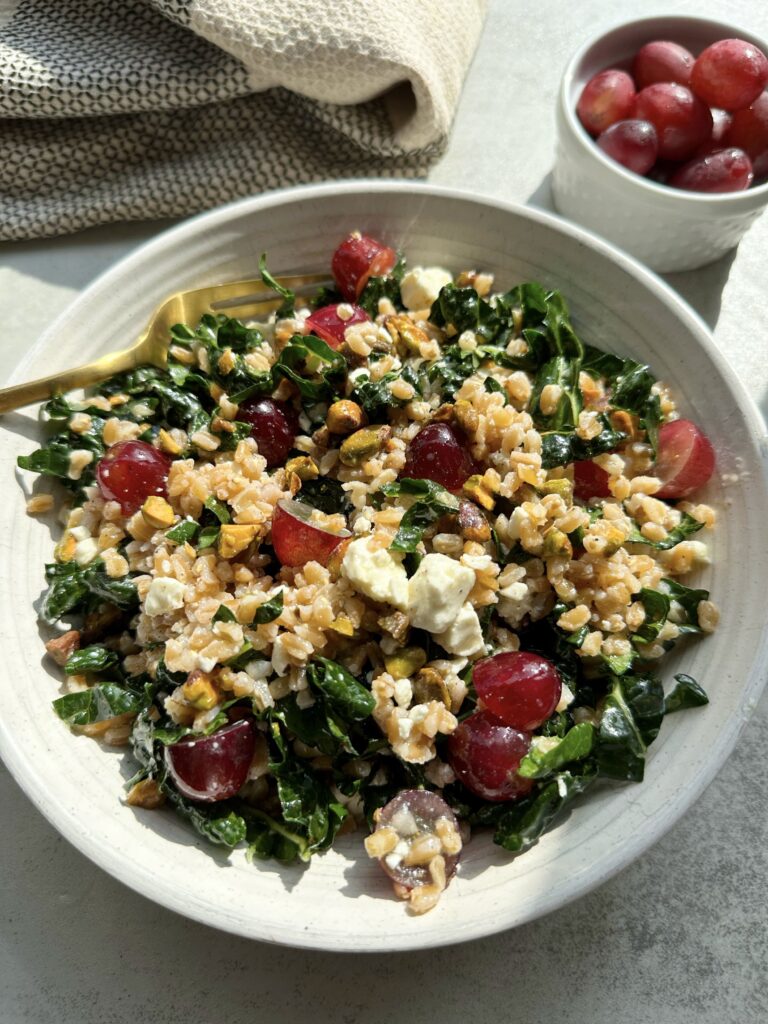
column 125, row 109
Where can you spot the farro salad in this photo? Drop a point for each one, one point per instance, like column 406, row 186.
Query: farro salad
column 408, row 556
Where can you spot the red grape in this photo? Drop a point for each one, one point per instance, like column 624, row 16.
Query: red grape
column 328, row 325
column 130, row 472
column 589, row 481
column 426, row 809
column 519, row 688
column 358, row 258
column 606, row 98
column 273, row 427
column 662, row 61
column 209, row 768
column 730, row 73
column 297, row 540
column 749, row 128
column 685, row 459
column 436, row 453
column 724, row 170
column 681, row 120
column 485, row 755
column 633, row 144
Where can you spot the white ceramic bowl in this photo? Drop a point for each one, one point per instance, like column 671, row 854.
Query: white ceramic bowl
column 343, row 901
column 667, row 228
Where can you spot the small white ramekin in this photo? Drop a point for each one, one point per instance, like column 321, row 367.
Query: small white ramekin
column 667, row 228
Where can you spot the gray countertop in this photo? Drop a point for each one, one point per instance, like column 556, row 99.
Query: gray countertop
column 679, row 937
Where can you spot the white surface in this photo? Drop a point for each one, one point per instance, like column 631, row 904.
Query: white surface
column 678, row 938
column 668, row 229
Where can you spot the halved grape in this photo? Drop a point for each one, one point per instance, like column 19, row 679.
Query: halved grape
column 357, row 259
column 297, row 540
column 436, row 453
column 685, row 459
column 662, row 61
column 589, row 481
column 520, row 688
column 328, row 325
column 632, row 143
column 485, row 755
column 210, row 768
column 724, row 170
column 681, row 120
column 412, row 813
column 130, row 472
column 730, row 73
column 606, row 98
column 273, row 427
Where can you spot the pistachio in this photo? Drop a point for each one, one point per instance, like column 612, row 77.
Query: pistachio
column 405, row 334
column 429, row 685
column 167, row 443
column 405, row 663
column 614, row 539
column 480, row 491
column 472, row 523
column 396, row 624
column 564, row 488
column 363, row 444
column 303, row 466
column 466, row 416
column 157, row 512
column 344, row 417
column 145, row 794
column 200, row 691
column 444, row 414
column 343, row 626
column 65, row 549
column 556, row 543
column 235, row 538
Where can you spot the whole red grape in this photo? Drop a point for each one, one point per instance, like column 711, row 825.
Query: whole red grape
column 634, row 144
column 662, row 61
column 606, row 98
column 730, row 73
column 681, row 120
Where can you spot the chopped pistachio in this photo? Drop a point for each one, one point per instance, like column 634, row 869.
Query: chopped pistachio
column 556, row 543
column 157, row 512
column 234, row 538
column 304, row 466
column 478, row 489
column 405, row 663
column 363, row 444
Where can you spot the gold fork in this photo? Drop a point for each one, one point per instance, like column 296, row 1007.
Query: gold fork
column 248, row 298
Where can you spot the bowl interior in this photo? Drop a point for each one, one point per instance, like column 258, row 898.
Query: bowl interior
column 616, row 48
column 342, row 901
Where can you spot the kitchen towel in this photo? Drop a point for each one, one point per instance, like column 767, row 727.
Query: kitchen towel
column 129, row 109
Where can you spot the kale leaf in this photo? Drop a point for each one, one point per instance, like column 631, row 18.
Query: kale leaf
column 432, row 501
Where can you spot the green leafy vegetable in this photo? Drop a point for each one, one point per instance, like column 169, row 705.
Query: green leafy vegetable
column 386, row 287
column 520, row 827
column 269, row 610
column 620, row 750
column 314, row 367
column 432, row 501
column 686, row 694
column 98, row 703
column 544, row 758
column 183, row 532
column 223, row 614
column 90, row 659
column 325, row 494
column 288, row 306
column 685, row 528
column 559, row 448
column 344, row 693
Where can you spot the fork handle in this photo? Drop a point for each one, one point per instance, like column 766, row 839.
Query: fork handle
column 81, row 377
